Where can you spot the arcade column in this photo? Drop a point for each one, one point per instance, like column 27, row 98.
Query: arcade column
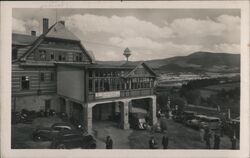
column 153, row 110
column 67, row 106
column 87, row 118
column 124, row 114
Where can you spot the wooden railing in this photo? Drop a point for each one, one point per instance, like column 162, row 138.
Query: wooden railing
column 125, row 93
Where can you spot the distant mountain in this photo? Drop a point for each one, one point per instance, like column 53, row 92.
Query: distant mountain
column 196, row 62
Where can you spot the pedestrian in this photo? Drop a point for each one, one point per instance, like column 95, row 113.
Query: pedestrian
column 207, row 137
column 165, row 142
column 202, row 132
column 216, row 141
column 233, row 140
column 152, row 143
column 109, row 143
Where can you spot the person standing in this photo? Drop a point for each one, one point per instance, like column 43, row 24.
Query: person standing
column 233, row 140
column 165, row 142
column 207, row 137
column 202, row 132
column 152, row 143
column 216, row 141
column 109, row 143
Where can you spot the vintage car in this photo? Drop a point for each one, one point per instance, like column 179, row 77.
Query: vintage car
column 212, row 123
column 184, row 116
column 196, row 122
column 48, row 133
column 73, row 139
column 138, row 121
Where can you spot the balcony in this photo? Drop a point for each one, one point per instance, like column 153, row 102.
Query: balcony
column 92, row 96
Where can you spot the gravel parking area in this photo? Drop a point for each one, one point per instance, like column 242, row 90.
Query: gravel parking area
column 180, row 136
column 21, row 134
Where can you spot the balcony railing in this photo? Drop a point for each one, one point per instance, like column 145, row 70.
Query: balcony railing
column 120, row 94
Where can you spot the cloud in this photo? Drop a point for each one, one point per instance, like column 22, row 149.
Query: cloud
column 107, row 36
column 228, row 48
column 128, row 26
column 32, row 25
column 18, row 25
column 195, row 27
column 145, row 48
column 109, row 55
column 24, row 26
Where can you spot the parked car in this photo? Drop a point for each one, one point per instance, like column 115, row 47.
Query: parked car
column 184, row 116
column 137, row 121
column 196, row 122
column 212, row 123
column 47, row 134
column 73, row 139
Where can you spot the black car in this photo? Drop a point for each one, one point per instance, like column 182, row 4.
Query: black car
column 73, row 139
column 138, row 121
column 47, row 134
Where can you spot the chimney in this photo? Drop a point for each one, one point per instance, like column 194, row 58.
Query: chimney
column 33, row 33
column 62, row 22
column 45, row 25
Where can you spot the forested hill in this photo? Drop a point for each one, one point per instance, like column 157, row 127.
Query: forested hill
column 195, row 62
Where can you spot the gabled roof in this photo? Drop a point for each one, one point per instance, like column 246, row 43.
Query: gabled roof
column 59, row 31
column 22, row 39
column 54, row 32
column 145, row 66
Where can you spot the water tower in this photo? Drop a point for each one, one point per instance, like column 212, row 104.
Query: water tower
column 127, row 53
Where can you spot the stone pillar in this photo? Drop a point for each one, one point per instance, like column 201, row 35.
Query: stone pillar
column 153, row 110
column 87, row 118
column 124, row 115
column 67, row 106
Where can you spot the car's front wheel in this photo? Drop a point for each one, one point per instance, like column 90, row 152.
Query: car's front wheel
column 36, row 138
column 61, row 146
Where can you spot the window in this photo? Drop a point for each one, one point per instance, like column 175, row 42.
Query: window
column 90, row 74
column 78, row 57
column 90, row 85
column 63, row 57
column 52, row 56
column 60, row 57
column 41, row 76
column 52, row 76
column 42, row 55
column 25, row 82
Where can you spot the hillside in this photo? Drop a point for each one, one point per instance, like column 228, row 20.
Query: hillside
column 196, row 62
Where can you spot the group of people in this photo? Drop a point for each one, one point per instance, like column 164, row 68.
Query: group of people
column 207, row 136
column 153, row 144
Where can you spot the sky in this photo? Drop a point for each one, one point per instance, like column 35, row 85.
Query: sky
column 148, row 33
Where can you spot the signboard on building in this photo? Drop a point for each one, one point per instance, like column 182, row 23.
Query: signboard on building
column 112, row 94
